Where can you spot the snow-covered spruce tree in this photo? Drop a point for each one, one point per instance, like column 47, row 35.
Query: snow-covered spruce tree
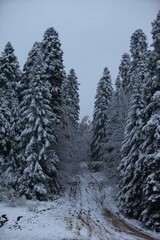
column 71, row 97
column 138, row 49
column 5, row 143
column 10, row 76
column 32, row 56
column 124, row 72
column 138, row 45
column 155, row 34
column 150, row 148
column 100, row 118
column 115, row 130
column 37, row 157
column 129, row 196
column 53, row 58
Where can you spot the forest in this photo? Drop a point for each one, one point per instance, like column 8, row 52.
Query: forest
column 43, row 142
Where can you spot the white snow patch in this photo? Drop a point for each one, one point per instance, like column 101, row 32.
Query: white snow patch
column 77, row 215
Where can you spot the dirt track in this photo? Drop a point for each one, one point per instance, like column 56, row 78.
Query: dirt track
column 86, row 195
column 122, row 226
column 84, row 218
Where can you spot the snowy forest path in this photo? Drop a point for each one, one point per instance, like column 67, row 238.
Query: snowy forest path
column 121, row 225
column 88, row 218
column 80, row 215
column 82, row 219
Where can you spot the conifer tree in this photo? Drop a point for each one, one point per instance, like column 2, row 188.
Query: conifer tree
column 155, row 33
column 138, row 49
column 32, row 56
column 53, row 58
column 138, row 45
column 150, row 151
column 100, row 118
column 115, row 130
column 120, row 101
column 10, row 76
column 5, row 116
column 139, row 194
column 71, row 97
column 129, row 196
column 124, row 72
column 37, row 158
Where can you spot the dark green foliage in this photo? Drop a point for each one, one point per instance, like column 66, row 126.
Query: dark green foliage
column 100, row 117
column 37, row 158
column 115, row 131
column 129, row 196
column 71, row 97
column 10, row 76
column 150, row 153
column 53, row 59
column 124, row 69
column 139, row 194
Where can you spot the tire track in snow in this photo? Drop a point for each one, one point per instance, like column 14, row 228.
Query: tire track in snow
column 87, row 218
column 122, row 226
column 82, row 196
column 117, row 224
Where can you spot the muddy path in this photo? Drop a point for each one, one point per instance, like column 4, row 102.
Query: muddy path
column 85, row 196
column 119, row 224
column 83, row 216
column 122, row 226
column 80, row 219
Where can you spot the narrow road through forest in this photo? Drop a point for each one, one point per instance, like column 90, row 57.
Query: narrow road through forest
column 88, row 219
column 81, row 214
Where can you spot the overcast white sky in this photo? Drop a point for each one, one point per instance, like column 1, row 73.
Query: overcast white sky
column 94, row 33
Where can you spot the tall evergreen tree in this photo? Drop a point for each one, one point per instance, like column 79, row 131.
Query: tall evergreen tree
column 139, row 194
column 53, row 58
column 37, row 158
column 138, row 49
column 10, row 76
column 129, row 196
column 32, row 56
column 138, row 45
column 71, row 96
column 150, row 151
column 115, row 130
column 124, row 72
column 5, row 143
column 100, row 118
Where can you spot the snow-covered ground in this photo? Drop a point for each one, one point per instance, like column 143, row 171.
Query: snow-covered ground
column 86, row 212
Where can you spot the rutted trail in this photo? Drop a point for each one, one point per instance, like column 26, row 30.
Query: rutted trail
column 83, row 218
column 79, row 215
column 124, row 227
column 89, row 220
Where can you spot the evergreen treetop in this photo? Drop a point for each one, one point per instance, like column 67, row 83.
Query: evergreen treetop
column 124, row 69
column 138, row 45
column 53, row 59
column 156, row 33
column 71, row 95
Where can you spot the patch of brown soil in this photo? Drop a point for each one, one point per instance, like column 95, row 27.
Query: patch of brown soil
column 122, row 226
